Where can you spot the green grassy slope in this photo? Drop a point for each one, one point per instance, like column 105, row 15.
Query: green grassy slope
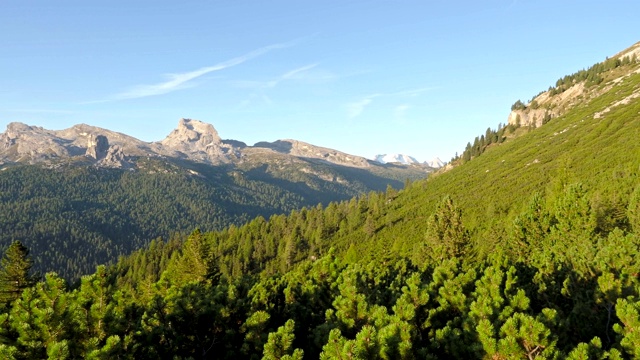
column 601, row 153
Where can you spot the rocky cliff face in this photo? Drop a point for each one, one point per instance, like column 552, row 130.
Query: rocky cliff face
column 529, row 117
column 97, row 146
column 33, row 144
column 196, row 140
column 111, row 156
column 191, row 140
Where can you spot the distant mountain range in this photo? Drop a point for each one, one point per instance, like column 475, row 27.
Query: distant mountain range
column 192, row 140
column 92, row 194
column 435, row 163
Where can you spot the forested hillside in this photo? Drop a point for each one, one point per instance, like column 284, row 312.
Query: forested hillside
column 75, row 217
column 529, row 249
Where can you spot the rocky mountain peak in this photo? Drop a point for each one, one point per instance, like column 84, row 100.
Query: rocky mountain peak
column 18, row 127
column 435, row 163
column 198, row 141
column 193, row 132
column 578, row 88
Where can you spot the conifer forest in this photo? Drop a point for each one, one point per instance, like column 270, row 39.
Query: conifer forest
column 527, row 246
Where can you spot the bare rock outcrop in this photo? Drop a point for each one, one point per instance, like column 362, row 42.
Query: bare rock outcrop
column 111, row 156
column 114, row 158
column 32, row 144
column 528, row 117
column 199, row 141
column 97, row 147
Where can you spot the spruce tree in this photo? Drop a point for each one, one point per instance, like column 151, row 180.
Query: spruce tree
column 14, row 272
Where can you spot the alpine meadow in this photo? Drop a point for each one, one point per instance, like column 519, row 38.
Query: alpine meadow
column 526, row 245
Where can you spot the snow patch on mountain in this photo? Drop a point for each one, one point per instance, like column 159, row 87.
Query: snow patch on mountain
column 435, row 163
column 395, row 158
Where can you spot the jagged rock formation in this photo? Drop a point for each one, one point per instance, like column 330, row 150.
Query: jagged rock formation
column 33, row 144
column 97, row 147
column 196, row 140
column 192, row 140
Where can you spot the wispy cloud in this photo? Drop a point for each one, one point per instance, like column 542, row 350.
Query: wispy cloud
column 300, row 74
column 182, row 80
column 295, row 73
column 411, row 92
column 303, row 74
column 356, row 108
column 400, row 112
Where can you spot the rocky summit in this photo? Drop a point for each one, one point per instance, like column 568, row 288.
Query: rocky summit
column 198, row 141
column 191, row 140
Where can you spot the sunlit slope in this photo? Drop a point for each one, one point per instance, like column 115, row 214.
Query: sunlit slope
column 596, row 143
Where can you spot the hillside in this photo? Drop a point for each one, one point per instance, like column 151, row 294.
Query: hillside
column 586, row 145
column 528, row 249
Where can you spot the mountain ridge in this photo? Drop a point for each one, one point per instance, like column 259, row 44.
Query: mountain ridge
column 192, row 140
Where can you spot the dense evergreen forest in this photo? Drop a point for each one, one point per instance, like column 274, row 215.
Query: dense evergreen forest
column 528, row 250
column 73, row 218
column 556, row 289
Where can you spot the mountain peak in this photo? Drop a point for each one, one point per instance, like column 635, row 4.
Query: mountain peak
column 435, row 163
column 192, row 131
column 395, row 158
column 197, row 140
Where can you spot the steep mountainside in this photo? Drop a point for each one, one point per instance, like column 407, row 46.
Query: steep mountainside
column 593, row 141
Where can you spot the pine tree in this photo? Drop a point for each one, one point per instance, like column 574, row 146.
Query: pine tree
column 279, row 345
column 574, row 231
column 195, row 262
column 14, row 272
column 531, row 228
column 633, row 211
column 446, row 236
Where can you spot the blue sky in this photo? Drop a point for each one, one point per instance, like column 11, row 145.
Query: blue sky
column 365, row 77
